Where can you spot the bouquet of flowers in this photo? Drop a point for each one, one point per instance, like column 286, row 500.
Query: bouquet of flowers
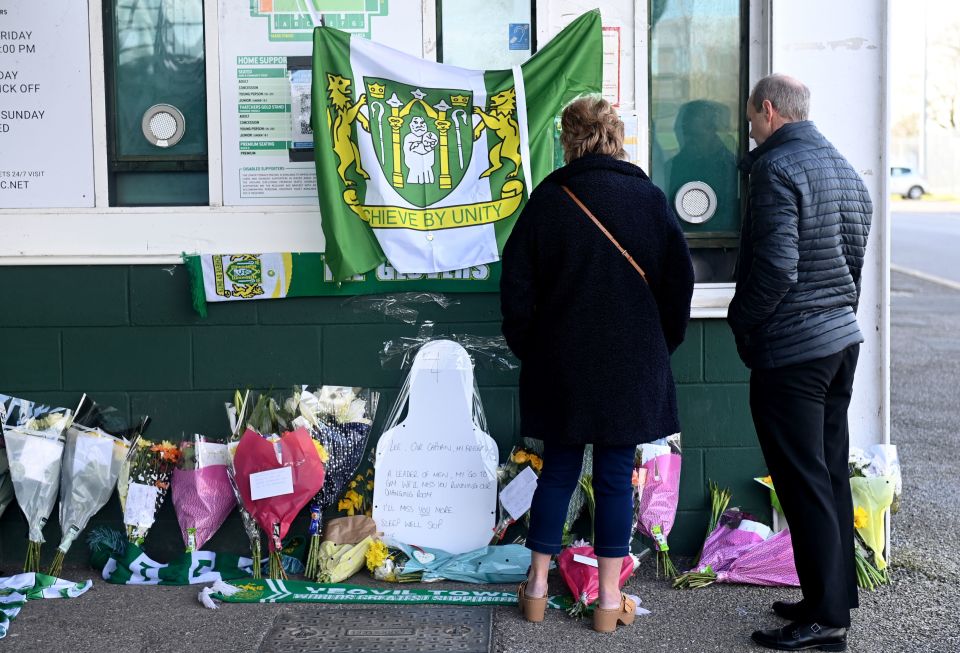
column 338, row 562
column 658, row 492
column 237, row 413
column 339, row 419
column 358, row 499
column 202, row 494
column 515, row 503
column 34, row 438
column 276, row 477
column 143, row 484
column 876, row 484
column 719, row 500
column 578, row 567
column 387, row 563
column 735, row 532
column 872, row 497
column 97, row 443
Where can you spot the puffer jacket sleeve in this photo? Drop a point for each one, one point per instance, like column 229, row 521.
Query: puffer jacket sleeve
column 518, row 280
column 674, row 291
column 855, row 228
column 774, row 235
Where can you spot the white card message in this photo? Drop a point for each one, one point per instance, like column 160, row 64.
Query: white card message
column 141, row 505
column 517, row 496
column 271, row 483
column 211, row 453
column 585, row 560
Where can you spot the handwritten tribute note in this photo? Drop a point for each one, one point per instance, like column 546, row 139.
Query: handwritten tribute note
column 436, row 471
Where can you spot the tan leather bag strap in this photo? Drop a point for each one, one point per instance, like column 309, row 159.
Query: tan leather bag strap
column 606, row 233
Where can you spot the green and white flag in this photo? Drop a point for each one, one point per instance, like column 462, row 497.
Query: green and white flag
column 17, row 590
column 131, row 566
column 427, row 165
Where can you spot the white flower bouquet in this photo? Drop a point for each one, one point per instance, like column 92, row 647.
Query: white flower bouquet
column 34, row 437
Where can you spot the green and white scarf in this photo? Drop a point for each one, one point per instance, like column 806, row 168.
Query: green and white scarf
column 17, row 590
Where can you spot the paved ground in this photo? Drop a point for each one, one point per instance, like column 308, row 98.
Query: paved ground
column 917, row 613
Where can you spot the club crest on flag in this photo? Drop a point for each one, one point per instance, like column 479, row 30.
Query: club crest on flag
column 424, row 140
column 423, row 137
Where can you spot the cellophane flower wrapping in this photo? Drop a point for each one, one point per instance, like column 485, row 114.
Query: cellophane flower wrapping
column 6, row 485
column 202, row 495
column 735, row 532
column 256, row 454
column 583, row 579
column 339, row 419
column 34, row 438
column 143, row 484
column 521, row 457
column 658, row 493
column 97, row 444
column 769, row 563
column 872, row 497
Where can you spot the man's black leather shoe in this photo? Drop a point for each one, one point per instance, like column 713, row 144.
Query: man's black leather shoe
column 789, row 610
column 802, row 637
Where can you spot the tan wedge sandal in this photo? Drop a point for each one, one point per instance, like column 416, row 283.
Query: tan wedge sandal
column 605, row 620
column 532, row 609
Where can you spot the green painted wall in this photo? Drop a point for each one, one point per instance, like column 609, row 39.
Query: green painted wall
column 127, row 336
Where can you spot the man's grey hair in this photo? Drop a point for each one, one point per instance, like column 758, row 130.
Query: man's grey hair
column 789, row 96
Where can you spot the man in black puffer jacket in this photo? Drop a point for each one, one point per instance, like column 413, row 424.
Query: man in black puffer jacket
column 794, row 318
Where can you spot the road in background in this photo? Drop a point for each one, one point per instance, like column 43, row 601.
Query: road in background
column 927, row 242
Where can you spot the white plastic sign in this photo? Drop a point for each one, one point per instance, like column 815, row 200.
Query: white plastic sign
column 436, row 471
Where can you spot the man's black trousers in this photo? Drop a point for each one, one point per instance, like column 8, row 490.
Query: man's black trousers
column 800, row 413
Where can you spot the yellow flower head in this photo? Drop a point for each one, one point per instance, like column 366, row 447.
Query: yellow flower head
column 346, row 505
column 324, row 456
column 536, row 462
column 369, row 485
column 144, row 443
column 520, row 457
column 860, row 517
column 377, row 555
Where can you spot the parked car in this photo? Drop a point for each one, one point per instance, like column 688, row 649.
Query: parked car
column 906, row 182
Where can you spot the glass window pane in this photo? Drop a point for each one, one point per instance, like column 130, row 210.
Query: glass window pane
column 485, row 34
column 159, row 58
column 695, row 122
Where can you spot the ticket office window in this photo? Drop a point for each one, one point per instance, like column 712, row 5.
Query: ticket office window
column 156, row 102
column 697, row 101
column 486, row 34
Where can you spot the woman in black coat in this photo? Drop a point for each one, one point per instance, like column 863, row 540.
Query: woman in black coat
column 594, row 338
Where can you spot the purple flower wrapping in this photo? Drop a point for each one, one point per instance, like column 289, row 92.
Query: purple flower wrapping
column 203, row 498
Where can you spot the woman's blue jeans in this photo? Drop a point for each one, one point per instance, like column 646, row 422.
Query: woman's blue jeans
column 612, row 489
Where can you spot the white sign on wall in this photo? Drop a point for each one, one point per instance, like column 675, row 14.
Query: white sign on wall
column 256, row 106
column 46, row 142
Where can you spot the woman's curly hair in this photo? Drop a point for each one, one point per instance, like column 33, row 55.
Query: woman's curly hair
column 590, row 125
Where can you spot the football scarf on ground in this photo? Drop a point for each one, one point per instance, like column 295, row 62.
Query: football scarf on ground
column 17, row 590
column 292, row 591
column 124, row 563
column 428, row 165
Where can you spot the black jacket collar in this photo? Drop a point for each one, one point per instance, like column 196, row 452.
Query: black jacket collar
column 593, row 162
column 792, row 131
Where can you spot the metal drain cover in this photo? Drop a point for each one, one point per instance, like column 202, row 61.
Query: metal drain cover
column 394, row 629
